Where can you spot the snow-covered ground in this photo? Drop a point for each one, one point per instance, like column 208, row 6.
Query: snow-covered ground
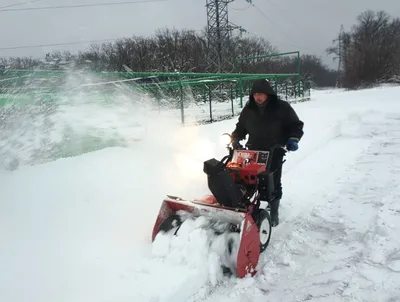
column 79, row 228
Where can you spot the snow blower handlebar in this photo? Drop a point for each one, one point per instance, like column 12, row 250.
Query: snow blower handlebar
column 231, row 149
column 272, row 151
column 230, row 146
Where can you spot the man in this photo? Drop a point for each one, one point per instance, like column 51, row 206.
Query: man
column 268, row 121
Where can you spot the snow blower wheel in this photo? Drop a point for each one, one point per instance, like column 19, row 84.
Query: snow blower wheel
column 265, row 228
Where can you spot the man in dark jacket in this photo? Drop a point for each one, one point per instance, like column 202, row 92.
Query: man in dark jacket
column 268, row 121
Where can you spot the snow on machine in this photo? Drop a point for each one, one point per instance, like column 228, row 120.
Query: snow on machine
column 234, row 183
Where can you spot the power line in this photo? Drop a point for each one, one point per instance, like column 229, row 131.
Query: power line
column 276, row 24
column 58, row 44
column 276, row 6
column 81, row 5
column 89, row 5
column 18, row 4
column 266, row 17
column 243, row 8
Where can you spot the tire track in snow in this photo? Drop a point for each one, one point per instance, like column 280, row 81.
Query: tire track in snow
column 333, row 251
column 331, row 138
column 191, row 278
column 316, row 173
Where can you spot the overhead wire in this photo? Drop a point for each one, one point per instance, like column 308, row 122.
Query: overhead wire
column 99, row 5
column 70, row 6
column 80, row 5
column 277, row 25
column 242, row 8
column 269, row 19
column 18, row 4
column 275, row 5
column 59, row 44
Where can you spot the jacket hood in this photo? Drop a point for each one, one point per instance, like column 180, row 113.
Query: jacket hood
column 262, row 86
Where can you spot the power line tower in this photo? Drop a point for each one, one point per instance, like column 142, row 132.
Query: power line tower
column 219, row 34
column 340, row 57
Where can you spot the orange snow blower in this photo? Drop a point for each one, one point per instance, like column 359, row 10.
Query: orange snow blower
column 234, row 183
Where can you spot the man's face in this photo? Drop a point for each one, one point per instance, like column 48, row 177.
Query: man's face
column 260, row 97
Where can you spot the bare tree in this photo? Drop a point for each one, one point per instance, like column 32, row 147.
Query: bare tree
column 371, row 50
column 170, row 50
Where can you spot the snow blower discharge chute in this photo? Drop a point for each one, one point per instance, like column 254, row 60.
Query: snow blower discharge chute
column 234, row 182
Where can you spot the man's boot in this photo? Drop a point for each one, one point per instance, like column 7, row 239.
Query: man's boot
column 274, row 206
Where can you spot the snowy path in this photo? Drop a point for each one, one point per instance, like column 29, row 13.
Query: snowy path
column 344, row 245
column 78, row 229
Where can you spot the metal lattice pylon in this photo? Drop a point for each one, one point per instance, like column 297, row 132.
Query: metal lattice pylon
column 219, row 31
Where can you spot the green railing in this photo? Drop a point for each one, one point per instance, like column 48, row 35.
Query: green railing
column 199, row 97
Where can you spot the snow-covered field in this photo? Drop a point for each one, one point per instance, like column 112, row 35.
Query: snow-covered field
column 78, row 228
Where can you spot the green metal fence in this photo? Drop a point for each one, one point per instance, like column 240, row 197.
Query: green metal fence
column 194, row 97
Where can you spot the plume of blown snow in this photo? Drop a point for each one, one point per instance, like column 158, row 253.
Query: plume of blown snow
column 83, row 119
column 79, row 118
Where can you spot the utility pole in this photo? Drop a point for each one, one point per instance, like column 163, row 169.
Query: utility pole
column 340, row 53
column 219, row 32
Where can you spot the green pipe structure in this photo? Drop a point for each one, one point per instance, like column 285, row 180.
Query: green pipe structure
column 21, row 87
column 269, row 56
column 138, row 75
column 237, row 60
column 194, row 79
column 200, row 82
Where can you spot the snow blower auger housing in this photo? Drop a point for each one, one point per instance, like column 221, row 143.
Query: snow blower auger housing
column 234, row 183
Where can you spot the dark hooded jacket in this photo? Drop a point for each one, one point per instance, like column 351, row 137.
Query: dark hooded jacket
column 273, row 123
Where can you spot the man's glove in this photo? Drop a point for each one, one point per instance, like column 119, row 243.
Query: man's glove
column 292, row 144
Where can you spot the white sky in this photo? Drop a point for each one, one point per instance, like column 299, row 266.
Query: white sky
column 305, row 25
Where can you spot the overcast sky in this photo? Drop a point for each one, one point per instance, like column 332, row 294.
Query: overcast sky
column 305, row 25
